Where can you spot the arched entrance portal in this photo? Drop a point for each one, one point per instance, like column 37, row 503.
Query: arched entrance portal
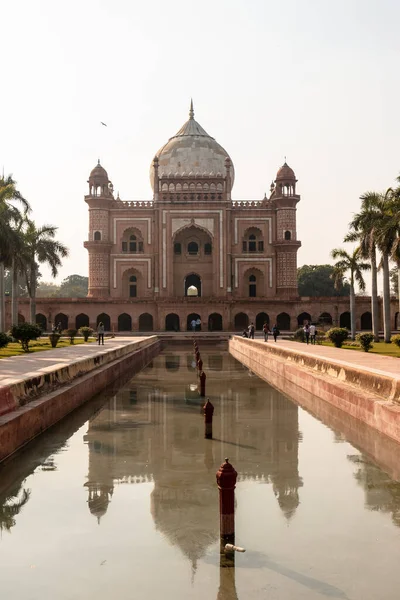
column 146, row 322
column 241, row 322
column 81, row 320
column 105, row 319
column 366, row 321
column 124, row 322
column 345, row 320
column 283, row 322
column 172, row 322
column 303, row 318
column 261, row 318
column 41, row 321
column 61, row 319
column 215, row 322
column 192, row 285
column 193, row 317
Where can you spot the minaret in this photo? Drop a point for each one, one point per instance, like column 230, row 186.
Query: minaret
column 99, row 243
column 286, row 243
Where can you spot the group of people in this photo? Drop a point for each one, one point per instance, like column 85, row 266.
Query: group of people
column 310, row 333
column 250, row 331
column 195, row 324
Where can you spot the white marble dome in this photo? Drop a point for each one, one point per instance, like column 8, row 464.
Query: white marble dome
column 191, row 151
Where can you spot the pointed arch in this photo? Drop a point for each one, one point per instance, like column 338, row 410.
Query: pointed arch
column 124, row 322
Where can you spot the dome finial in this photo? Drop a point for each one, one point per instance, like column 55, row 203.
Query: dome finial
column 98, row 162
column 191, row 111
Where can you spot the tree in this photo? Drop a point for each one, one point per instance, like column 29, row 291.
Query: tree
column 350, row 263
column 47, row 289
column 10, row 218
column 41, row 248
column 363, row 229
column 316, row 280
column 21, row 282
column 387, row 235
column 394, row 281
column 74, row 286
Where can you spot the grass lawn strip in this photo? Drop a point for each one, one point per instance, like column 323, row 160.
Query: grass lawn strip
column 15, row 348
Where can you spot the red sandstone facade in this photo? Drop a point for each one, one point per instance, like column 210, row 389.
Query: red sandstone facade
column 193, row 251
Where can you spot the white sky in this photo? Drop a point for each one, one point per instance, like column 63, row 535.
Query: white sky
column 314, row 80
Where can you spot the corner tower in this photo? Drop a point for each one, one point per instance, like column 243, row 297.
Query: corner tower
column 99, row 241
column 286, row 244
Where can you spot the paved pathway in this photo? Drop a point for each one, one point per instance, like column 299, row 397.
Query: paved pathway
column 385, row 365
column 21, row 367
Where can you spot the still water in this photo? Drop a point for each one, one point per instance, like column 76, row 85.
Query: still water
column 120, row 500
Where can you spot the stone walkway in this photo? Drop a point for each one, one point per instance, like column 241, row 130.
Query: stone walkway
column 384, row 365
column 22, row 367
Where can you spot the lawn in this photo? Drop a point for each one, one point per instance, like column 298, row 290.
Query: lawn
column 378, row 348
column 15, row 349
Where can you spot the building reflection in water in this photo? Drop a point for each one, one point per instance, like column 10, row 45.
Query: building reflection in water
column 151, row 430
column 381, row 492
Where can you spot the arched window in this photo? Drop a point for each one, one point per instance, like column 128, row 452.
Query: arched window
column 133, row 286
column 252, row 286
column 177, row 248
column 207, row 249
column 97, row 236
column 132, row 242
column 193, row 248
column 288, row 235
column 253, row 241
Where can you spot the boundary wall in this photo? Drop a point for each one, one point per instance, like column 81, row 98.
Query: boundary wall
column 31, row 406
column 367, row 395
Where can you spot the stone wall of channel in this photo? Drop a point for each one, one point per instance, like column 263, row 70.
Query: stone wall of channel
column 367, row 396
column 32, row 414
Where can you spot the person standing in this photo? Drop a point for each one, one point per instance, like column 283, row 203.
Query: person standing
column 100, row 333
column 275, row 332
column 198, row 323
column 193, row 324
column 251, row 331
column 266, row 331
column 306, row 330
column 313, row 333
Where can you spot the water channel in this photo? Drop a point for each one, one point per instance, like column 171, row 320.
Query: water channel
column 120, row 498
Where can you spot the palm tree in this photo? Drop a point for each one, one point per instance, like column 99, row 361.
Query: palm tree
column 387, row 231
column 40, row 248
column 11, row 507
column 363, row 228
column 350, row 262
column 10, row 216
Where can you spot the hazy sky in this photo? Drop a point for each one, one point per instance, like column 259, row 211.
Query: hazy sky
column 314, row 80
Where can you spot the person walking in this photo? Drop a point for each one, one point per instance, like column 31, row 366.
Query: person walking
column 306, row 330
column 266, row 331
column 313, row 333
column 100, row 333
column 251, row 331
column 275, row 332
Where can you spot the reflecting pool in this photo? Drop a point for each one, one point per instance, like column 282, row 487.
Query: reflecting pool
column 120, row 498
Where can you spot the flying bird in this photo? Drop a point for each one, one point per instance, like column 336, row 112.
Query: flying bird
column 103, row 123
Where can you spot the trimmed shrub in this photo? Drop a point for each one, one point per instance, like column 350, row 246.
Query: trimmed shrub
column 86, row 332
column 337, row 335
column 54, row 339
column 71, row 333
column 395, row 339
column 365, row 340
column 25, row 333
column 299, row 335
column 4, row 340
